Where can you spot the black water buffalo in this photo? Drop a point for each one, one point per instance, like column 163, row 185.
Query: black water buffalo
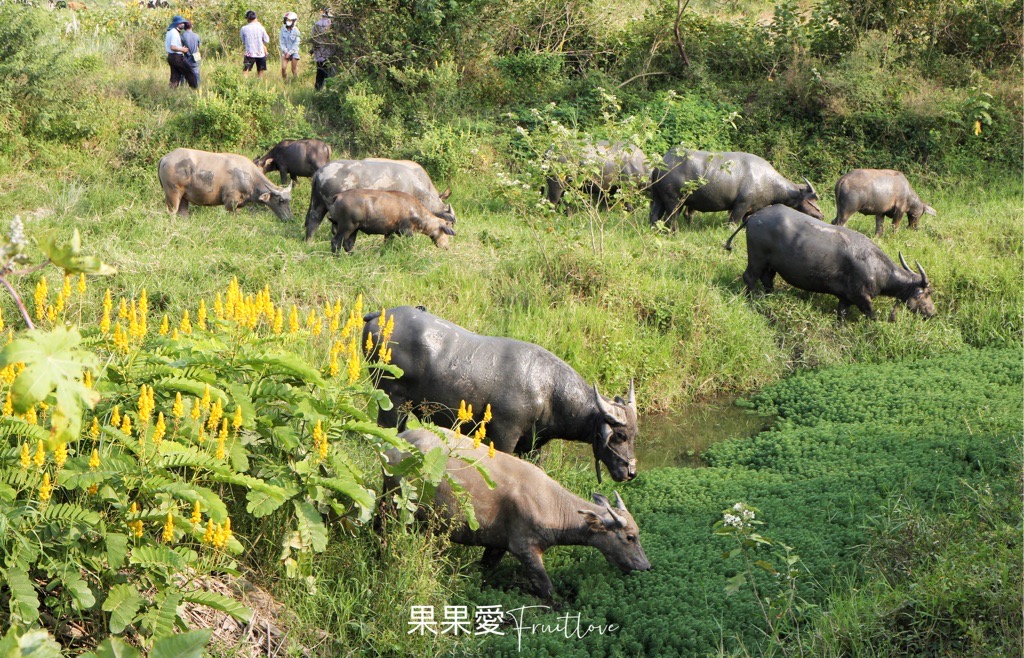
column 526, row 512
column 741, row 183
column 381, row 212
column 295, row 157
column 879, row 192
column 218, row 179
column 608, row 166
column 818, row 257
column 373, row 174
column 534, row 395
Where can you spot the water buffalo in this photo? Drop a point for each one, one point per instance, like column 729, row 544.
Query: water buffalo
column 535, row 396
column 215, row 179
column 741, row 183
column 295, row 157
column 526, row 512
column 608, row 166
column 879, row 192
column 381, row 212
column 373, row 174
column 818, row 257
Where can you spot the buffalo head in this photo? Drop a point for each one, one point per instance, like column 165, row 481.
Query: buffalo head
column 808, row 202
column 920, row 299
column 279, row 199
column 616, row 535
column 615, row 438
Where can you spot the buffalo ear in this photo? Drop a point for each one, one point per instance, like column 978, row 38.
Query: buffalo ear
column 928, row 210
column 600, row 499
column 594, row 521
column 266, row 163
column 447, row 193
column 447, row 229
column 265, row 197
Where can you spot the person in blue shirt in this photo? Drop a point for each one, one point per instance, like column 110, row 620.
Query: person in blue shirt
column 288, row 43
column 176, row 52
column 190, row 40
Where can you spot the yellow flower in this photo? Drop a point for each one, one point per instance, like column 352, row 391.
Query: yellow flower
column 465, row 412
column 51, row 313
column 168, row 535
column 60, row 455
column 174, row 334
column 480, row 434
column 178, row 408
column 94, row 460
column 196, row 409
column 223, row 435
column 94, row 429
column 293, row 320
column 197, row 514
column 385, row 355
column 122, row 309
column 41, row 293
column 165, row 326
column 143, row 310
column 977, row 127
column 320, row 440
column 210, row 532
column 205, row 402
column 490, row 451
column 185, row 326
column 1, row 320
column 93, row 488
column 334, row 367
column 40, row 457
column 237, row 420
column 387, row 328
column 487, row 414
column 45, row 489
column 201, row 315
column 134, row 331
column 218, row 307
column 145, row 404
column 318, row 326
column 26, row 460
column 30, row 416
column 87, row 379
column 59, row 306
column 159, row 429
column 369, row 343
column 107, row 305
column 66, row 288
column 115, row 417
column 278, row 326
column 353, row 363
column 8, row 405
column 126, row 425
column 121, row 338
column 358, row 310
column 81, row 284
column 311, row 319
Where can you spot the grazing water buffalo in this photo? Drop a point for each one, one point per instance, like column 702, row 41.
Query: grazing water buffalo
column 879, row 192
column 373, row 174
column 741, row 183
column 534, row 395
column 526, row 512
column 819, row 257
column 295, row 157
column 380, row 212
column 218, row 179
column 609, row 166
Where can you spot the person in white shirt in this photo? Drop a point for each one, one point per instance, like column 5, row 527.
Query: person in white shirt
column 288, row 42
column 254, row 38
column 176, row 52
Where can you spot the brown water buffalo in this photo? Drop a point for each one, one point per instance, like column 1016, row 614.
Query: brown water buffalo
column 879, row 192
column 740, row 183
column 294, row 158
column 218, row 179
column 526, row 512
column 381, row 212
column 819, row 257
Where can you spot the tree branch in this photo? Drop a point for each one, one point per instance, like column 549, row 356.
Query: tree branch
column 681, row 6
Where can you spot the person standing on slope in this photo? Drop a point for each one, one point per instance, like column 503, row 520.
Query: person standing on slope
column 255, row 40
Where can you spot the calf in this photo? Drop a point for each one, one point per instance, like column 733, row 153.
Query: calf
column 381, row 212
column 818, row 257
column 526, row 512
column 879, row 192
column 295, row 157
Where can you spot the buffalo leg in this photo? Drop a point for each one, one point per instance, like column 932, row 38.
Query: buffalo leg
column 316, row 212
column 842, row 309
column 768, row 280
column 880, row 225
column 864, row 304
column 183, row 208
column 284, row 176
column 531, row 559
column 492, row 556
column 657, row 210
column 897, row 217
column 750, row 278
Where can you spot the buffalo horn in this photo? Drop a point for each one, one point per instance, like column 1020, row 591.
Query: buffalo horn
column 606, row 409
column 810, row 186
column 618, row 502
column 597, row 468
column 621, row 522
column 924, row 277
column 632, row 396
column 903, row 262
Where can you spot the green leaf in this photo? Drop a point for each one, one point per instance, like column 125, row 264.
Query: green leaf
column 183, row 645
column 117, row 550
column 163, row 616
column 766, row 566
column 191, row 386
column 24, row 603
column 122, row 603
column 434, row 462
column 360, row 495
column 7, row 493
column 113, row 647
column 465, row 502
column 239, row 457
column 225, row 604
column 53, row 362
column 291, row 365
column 69, row 256
column 310, row 526
column 80, row 593
column 38, row 644
column 388, row 434
column 150, row 556
column 734, row 584
column 262, row 503
column 71, row 514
